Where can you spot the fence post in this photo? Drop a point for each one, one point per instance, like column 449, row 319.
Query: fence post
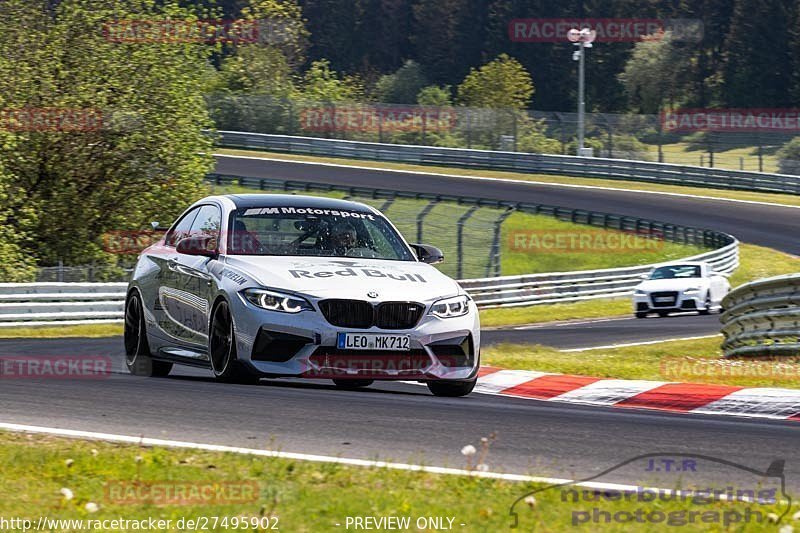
column 711, row 149
column 421, row 218
column 514, row 131
column 494, row 266
column 561, row 133
column 469, row 128
column 760, row 153
column 460, row 240
column 60, row 275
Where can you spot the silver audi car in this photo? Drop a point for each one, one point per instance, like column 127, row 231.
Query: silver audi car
column 263, row 285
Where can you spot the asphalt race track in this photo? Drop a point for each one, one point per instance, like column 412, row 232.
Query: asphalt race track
column 606, row 332
column 403, row 422
column 390, row 421
column 766, row 225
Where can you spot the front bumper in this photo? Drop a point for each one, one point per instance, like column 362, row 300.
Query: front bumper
column 670, row 301
column 305, row 345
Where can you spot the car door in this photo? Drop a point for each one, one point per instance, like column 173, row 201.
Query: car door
column 165, row 302
column 192, row 286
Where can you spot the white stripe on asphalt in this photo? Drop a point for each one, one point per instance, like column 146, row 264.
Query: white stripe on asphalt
column 146, row 441
column 607, row 391
column 504, row 379
column 509, row 180
column 760, row 402
column 643, row 343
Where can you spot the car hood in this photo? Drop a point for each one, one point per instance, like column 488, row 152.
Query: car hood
column 352, row 278
column 653, row 285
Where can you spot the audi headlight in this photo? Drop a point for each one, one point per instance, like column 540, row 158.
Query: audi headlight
column 451, row 307
column 276, row 301
column 692, row 290
column 640, row 292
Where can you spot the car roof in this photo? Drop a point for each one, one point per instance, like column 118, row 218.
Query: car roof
column 684, row 263
column 295, row 200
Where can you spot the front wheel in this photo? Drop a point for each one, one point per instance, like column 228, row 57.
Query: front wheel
column 137, row 350
column 707, row 310
column 222, row 349
column 451, row 389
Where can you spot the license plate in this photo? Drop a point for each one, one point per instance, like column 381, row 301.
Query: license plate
column 372, row 341
column 665, row 299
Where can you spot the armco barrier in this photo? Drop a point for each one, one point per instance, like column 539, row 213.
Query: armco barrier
column 762, row 318
column 34, row 304
column 590, row 167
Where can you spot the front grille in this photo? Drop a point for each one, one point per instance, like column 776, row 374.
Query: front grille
column 348, row 313
column 363, row 315
column 671, row 295
column 398, row 315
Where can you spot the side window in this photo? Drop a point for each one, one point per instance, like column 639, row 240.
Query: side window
column 182, row 228
column 207, row 222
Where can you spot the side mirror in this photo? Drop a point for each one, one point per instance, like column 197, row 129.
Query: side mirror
column 204, row 245
column 428, row 254
column 644, row 276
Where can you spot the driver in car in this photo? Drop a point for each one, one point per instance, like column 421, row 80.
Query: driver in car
column 343, row 238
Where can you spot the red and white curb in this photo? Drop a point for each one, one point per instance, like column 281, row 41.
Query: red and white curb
column 692, row 398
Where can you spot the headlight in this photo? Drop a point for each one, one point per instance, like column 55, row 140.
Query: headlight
column 640, row 292
column 276, row 301
column 692, row 290
column 451, row 307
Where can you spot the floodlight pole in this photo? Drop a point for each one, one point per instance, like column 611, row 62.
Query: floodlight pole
column 581, row 99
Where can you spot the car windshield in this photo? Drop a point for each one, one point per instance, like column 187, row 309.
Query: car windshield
column 314, row 232
column 676, row 271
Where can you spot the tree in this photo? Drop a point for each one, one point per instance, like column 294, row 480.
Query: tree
column 435, row 96
column 402, row 86
column 655, row 74
column 757, row 57
column 501, row 83
column 321, row 83
column 134, row 151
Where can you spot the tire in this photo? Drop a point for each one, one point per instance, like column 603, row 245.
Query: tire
column 353, row 384
column 222, row 349
column 451, row 389
column 662, row 314
column 641, row 314
column 137, row 349
column 707, row 310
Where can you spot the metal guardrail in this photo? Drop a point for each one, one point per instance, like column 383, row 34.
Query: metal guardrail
column 36, row 304
column 590, row 167
column 564, row 287
column 762, row 318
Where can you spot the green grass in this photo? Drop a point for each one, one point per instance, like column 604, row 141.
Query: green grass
column 784, row 199
column 686, row 153
column 303, row 496
column 51, row 332
column 756, row 262
column 535, row 256
column 694, row 361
